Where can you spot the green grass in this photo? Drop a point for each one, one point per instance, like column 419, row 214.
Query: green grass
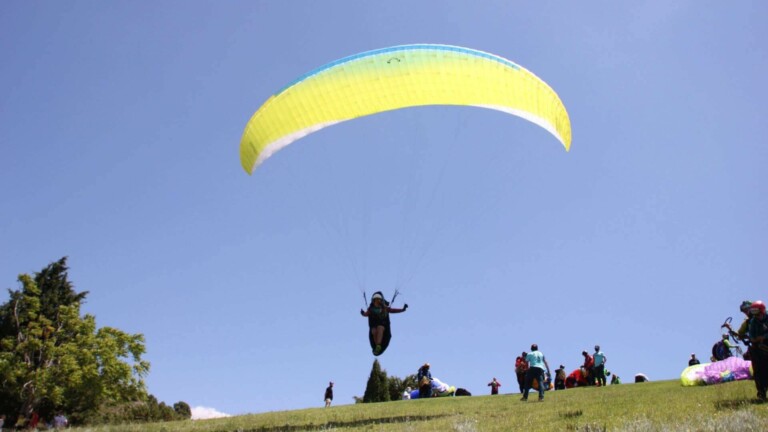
column 653, row 406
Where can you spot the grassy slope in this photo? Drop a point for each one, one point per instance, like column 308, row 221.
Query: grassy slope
column 650, row 406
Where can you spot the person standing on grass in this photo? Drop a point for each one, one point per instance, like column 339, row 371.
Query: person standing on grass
column 536, row 363
column 741, row 334
column 599, row 367
column 758, row 337
column 589, row 367
column 521, row 367
column 329, row 394
column 494, row 386
column 693, row 361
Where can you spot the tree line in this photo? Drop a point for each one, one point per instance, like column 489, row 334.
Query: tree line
column 383, row 388
column 55, row 360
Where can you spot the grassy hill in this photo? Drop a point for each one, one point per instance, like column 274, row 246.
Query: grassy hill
column 653, row 406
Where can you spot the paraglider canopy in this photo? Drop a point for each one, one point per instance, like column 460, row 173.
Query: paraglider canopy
column 399, row 77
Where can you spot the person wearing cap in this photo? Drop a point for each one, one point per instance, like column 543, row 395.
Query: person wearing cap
column 329, row 394
column 424, row 378
column 378, row 321
column 693, row 361
column 560, row 378
column 536, row 364
column 758, row 336
column 598, row 369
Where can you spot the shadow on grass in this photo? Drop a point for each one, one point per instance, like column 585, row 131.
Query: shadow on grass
column 341, row 425
column 732, row 404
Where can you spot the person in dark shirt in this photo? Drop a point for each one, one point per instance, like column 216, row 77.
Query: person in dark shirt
column 378, row 321
column 424, row 378
column 758, row 337
column 329, row 394
column 560, row 378
column 693, row 361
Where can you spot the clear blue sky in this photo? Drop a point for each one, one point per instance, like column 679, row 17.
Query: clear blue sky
column 120, row 125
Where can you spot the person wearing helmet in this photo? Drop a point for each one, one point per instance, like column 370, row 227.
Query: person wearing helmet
column 741, row 333
column 758, row 335
column 721, row 350
column 378, row 322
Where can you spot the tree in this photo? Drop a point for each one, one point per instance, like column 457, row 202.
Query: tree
column 377, row 389
column 183, row 410
column 53, row 359
column 397, row 386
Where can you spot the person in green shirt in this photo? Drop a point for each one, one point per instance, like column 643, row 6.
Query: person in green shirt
column 741, row 333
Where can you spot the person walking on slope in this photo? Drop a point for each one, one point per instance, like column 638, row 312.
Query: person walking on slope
column 536, row 363
column 599, row 367
column 329, row 394
column 758, row 336
column 521, row 368
column 494, row 386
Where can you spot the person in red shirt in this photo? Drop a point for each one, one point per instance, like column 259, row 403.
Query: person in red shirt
column 494, row 386
column 576, row 378
column 589, row 367
column 521, row 367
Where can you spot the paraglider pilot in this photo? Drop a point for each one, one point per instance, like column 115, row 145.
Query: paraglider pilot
column 378, row 321
column 758, row 336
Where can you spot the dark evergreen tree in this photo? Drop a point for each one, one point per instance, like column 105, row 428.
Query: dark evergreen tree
column 56, row 289
column 377, row 389
column 183, row 410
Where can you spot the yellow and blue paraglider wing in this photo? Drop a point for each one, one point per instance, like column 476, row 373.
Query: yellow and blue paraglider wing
column 394, row 78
